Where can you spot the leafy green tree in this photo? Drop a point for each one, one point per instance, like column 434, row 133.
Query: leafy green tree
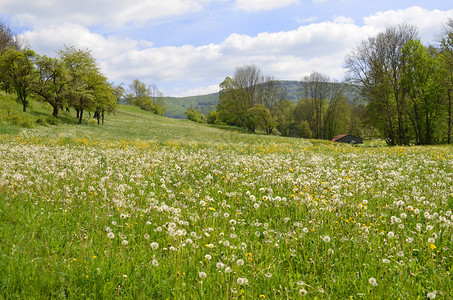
column 283, row 112
column 260, row 117
column 85, row 76
column 52, row 82
column 105, row 100
column 248, row 88
column 18, row 69
column 421, row 81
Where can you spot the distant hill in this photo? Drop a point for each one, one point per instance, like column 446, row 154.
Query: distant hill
column 176, row 106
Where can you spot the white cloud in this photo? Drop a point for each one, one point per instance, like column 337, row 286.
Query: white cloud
column 199, row 91
column 428, row 22
column 188, row 70
column 257, row 5
column 99, row 12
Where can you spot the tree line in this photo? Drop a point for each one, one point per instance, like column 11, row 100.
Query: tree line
column 405, row 93
column 254, row 101
column 73, row 79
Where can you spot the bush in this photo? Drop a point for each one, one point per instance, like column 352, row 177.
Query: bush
column 21, row 120
column 195, row 115
column 52, row 120
column 41, row 121
column 213, row 117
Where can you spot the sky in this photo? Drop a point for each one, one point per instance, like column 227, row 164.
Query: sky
column 188, row 47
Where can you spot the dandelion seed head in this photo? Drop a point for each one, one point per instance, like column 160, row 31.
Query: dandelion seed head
column 372, row 281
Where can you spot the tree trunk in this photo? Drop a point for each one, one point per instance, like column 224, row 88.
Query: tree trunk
column 55, row 111
column 449, row 117
column 80, row 116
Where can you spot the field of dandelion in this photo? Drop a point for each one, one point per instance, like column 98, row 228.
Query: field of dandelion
column 151, row 208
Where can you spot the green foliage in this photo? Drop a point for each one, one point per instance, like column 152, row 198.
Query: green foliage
column 213, row 117
column 10, row 112
column 421, row 79
column 259, row 117
column 52, row 82
column 147, row 97
column 195, row 115
column 52, row 120
column 17, row 70
column 304, row 129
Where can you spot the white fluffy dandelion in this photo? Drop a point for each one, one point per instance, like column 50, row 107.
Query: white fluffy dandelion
column 303, row 292
column 326, row 239
column 202, row 275
column 154, row 245
column 372, row 281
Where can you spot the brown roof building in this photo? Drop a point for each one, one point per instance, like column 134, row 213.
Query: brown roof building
column 347, row 138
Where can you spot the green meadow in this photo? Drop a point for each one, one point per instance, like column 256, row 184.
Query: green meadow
column 147, row 207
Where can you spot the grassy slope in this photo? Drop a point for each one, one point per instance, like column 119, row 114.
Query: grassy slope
column 128, row 122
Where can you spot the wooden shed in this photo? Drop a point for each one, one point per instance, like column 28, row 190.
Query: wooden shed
column 347, row 138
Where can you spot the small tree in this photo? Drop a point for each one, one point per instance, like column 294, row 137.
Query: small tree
column 17, row 68
column 260, row 117
column 147, row 97
column 52, row 82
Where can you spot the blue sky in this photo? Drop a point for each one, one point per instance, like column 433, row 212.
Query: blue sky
column 187, row 47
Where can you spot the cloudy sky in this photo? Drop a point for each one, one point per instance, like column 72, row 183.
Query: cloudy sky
column 187, row 47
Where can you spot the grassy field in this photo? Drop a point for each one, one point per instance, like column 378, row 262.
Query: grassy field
column 146, row 207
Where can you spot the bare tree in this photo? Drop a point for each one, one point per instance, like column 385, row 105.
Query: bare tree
column 6, row 37
column 322, row 94
column 10, row 40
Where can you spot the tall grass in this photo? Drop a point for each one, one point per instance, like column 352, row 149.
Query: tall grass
column 146, row 207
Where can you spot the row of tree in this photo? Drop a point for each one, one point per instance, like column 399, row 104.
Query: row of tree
column 254, row 101
column 407, row 86
column 73, row 79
